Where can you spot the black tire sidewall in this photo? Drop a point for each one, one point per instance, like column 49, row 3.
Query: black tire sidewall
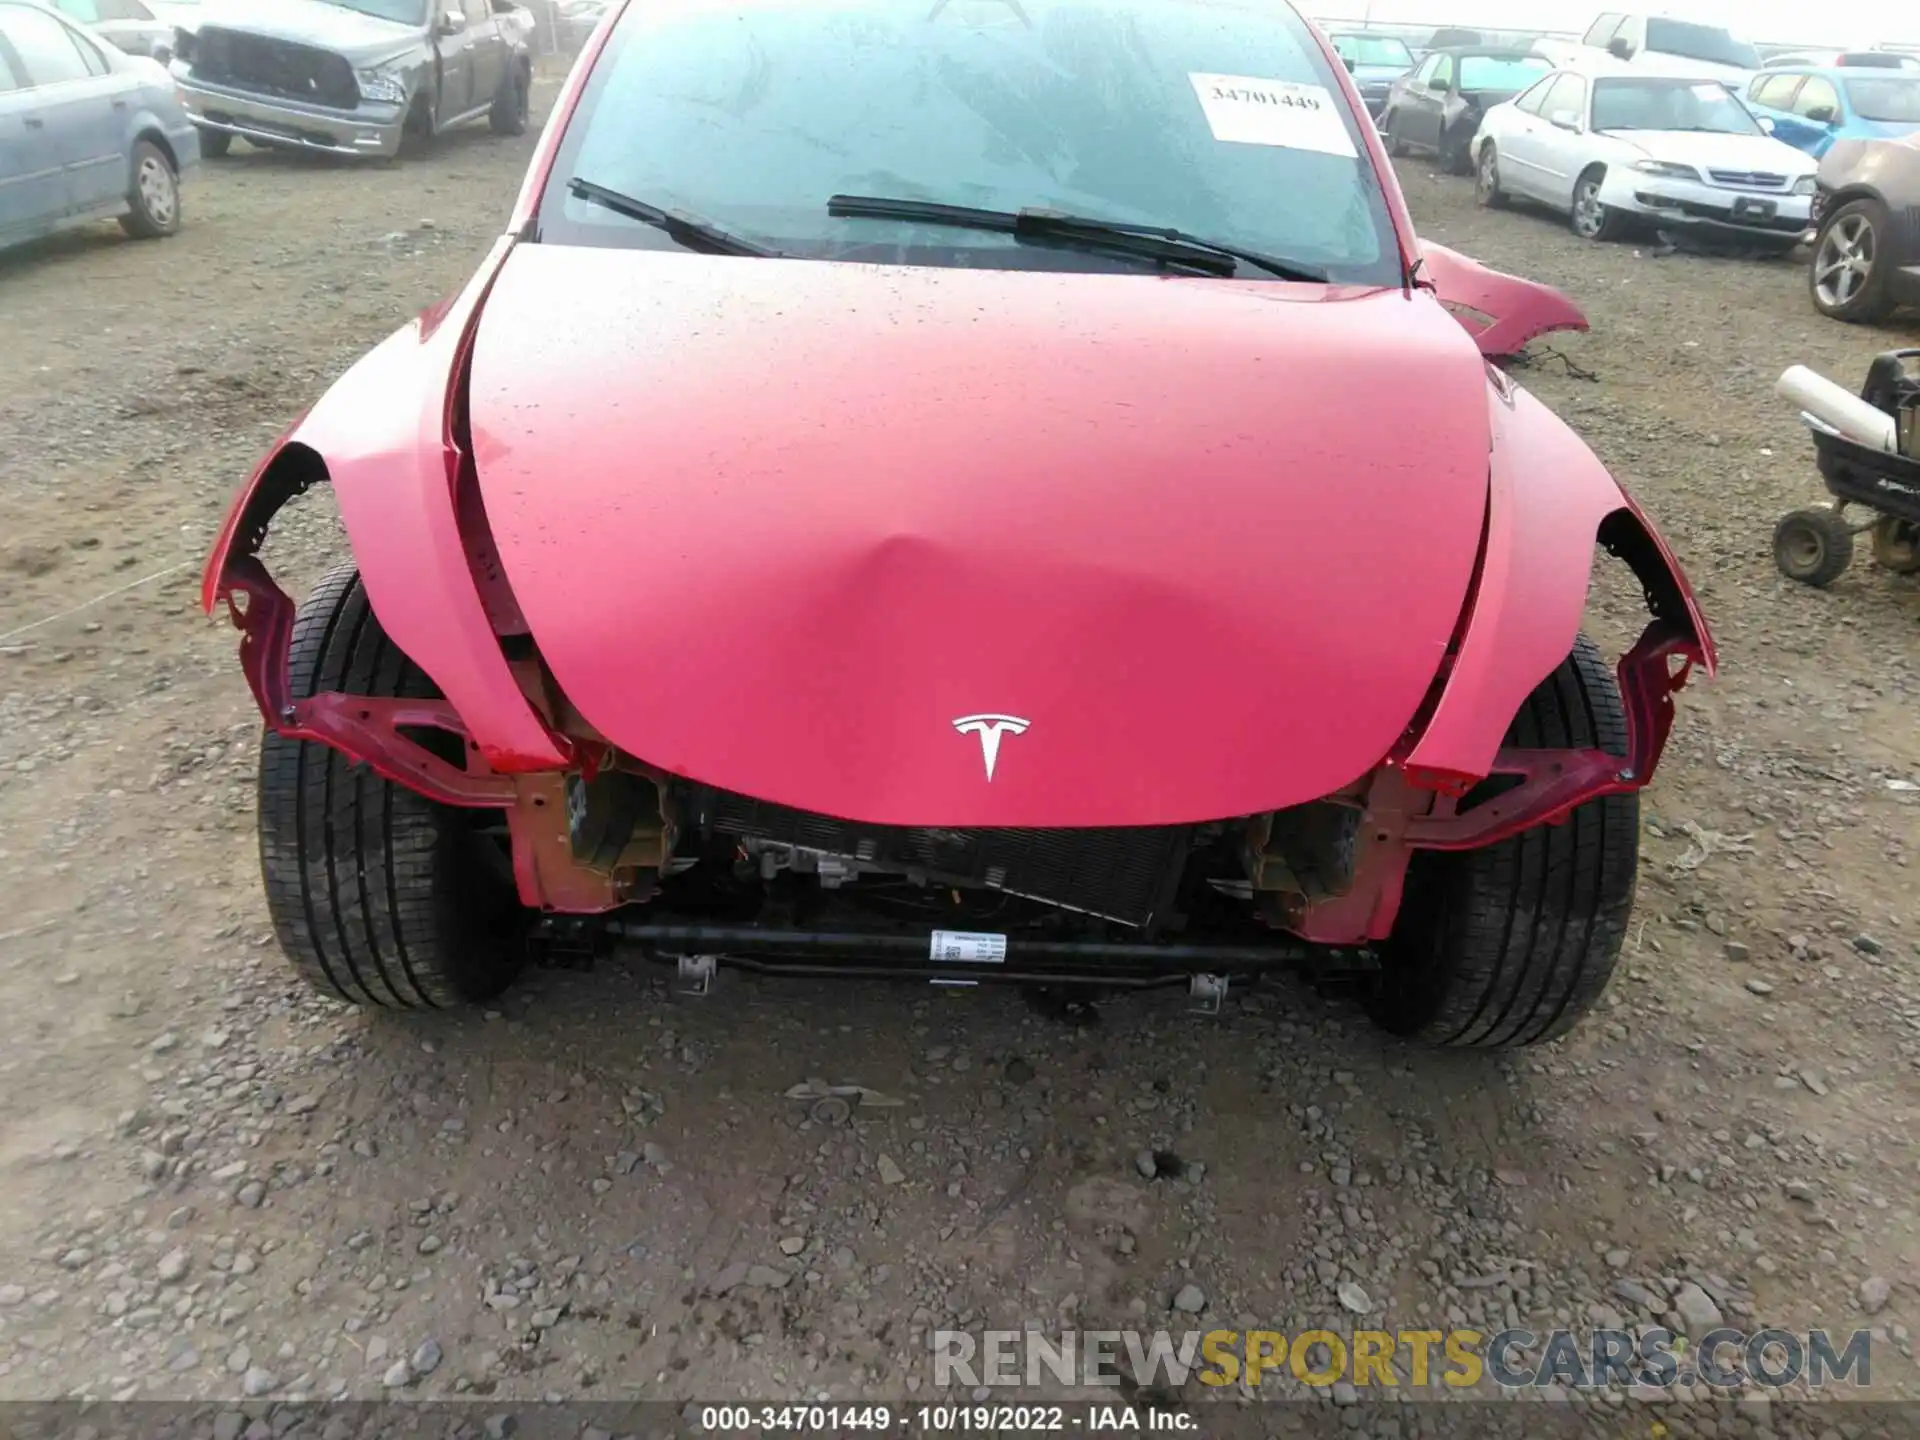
column 1874, row 301
column 141, row 221
column 1510, row 944
column 378, row 895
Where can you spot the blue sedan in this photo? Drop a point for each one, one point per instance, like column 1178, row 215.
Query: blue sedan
column 1811, row 107
column 86, row 132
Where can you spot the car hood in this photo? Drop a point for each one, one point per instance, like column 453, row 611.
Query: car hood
column 807, row 531
column 309, row 22
column 1720, row 152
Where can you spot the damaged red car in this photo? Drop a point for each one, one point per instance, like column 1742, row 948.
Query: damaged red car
column 969, row 490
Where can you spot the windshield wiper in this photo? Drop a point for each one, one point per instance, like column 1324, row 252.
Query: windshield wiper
column 684, row 229
column 1051, row 227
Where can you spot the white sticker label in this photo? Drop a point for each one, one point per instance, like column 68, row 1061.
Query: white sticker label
column 968, row 947
column 1243, row 110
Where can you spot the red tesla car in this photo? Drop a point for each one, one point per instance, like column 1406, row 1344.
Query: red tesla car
column 971, row 490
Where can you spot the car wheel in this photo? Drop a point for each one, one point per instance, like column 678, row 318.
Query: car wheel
column 215, row 143
column 378, row 895
column 1852, row 272
column 1591, row 219
column 1896, row 545
column 1813, row 546
column 1512, row 943
column 1454, row 158
column 1486, row 179
column 509, row 115
column 153, row 197
column 1396, row 147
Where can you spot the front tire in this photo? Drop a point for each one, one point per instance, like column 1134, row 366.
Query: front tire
column 1513, row 943
column 1851, row 277
column 1396, row 147
column 215, row 143
column 1486, row 179
column 1454, row 157
column 509, row 114
column 378, row 895
column 1591, row 219
column 153, row 194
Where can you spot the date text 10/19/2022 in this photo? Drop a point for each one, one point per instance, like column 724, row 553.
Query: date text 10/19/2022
column 940, row 1419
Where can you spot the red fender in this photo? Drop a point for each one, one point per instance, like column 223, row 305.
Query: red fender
column 1549, row 501
column 1516, row 310
column 395, row 468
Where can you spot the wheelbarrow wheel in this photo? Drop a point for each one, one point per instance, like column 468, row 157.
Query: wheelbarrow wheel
column 1813, row 546
column 1896, row 545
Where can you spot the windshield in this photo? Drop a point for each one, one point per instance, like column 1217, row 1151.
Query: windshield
column 1701, row 42
column 405, row 12
column 1895, row 100
column 1221, row 122
column 1373, row 50
column 1670, row 105
column 1488, row 72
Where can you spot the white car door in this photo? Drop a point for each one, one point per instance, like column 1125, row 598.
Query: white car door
column 1565, row 147
column 1524, row 148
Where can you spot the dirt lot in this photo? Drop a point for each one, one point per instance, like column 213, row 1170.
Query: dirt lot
column 212, row 1184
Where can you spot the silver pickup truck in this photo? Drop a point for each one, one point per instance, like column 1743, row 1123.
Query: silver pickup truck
column 350, row 77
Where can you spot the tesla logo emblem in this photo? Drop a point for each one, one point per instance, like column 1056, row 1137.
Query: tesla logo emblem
column 990, row 728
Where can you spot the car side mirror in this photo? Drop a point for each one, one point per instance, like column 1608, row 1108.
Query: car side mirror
column 451, row 22
column 1347, row 60
column 1766, row 123
column 1564, row 120
column 1619, row 48
column 1821, row 115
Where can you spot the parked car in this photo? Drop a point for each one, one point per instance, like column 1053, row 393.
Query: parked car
column 351, row 77
column 1614, row 149
column 86, row 133
column 1813, row 108
column 127, row 25
column 1375, row 62
column 577, row 21
column 1866, row 254
column 1438, row 108
column 963, row 652
column 1659, row 43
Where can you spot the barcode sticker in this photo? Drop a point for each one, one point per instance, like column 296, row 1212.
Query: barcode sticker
column 968, row 947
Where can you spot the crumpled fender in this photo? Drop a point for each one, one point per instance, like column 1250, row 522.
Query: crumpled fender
column 1517, row 310
column 1549, row 500
column 384, row 435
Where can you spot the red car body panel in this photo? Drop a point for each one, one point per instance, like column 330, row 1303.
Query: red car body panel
column 1548, row 496
column 384, row 435
column 1167, row 522
column 1502, row 312
column 777, row 525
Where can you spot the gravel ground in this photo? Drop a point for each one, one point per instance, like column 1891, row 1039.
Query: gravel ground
column 213, row 1185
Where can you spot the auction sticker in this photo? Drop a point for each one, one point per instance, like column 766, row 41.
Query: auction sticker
column 1243, row 110
column 968, row 947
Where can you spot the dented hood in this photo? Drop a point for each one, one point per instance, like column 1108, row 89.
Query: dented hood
column 822, row 533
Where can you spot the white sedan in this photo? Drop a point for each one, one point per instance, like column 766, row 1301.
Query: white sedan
column 1616, row 150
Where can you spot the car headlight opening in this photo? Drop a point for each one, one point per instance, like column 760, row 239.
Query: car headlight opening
column 381, row 85
column 1668, row 168
column 1805, row 185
